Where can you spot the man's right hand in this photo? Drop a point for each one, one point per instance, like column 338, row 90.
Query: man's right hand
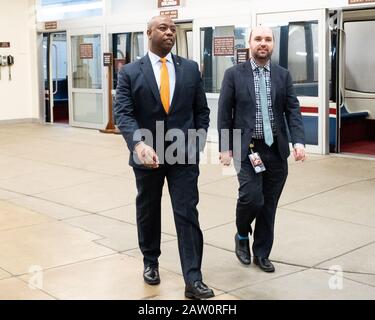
column 225, row 157
column 147, row 155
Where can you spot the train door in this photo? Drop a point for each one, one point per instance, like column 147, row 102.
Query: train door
column 88, row 106
column 184, row 40
column 301, row 43
column 55, row 78
column 356, row 83
column 126, row 47
column 219, row 40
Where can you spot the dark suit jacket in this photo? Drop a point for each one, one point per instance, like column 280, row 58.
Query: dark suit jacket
column 138, row 104
column 237, row 106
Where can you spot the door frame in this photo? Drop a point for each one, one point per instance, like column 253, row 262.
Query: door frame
column 347, row 15
column 240, row 21
column 104, row 74
column 49, row 71
column 321, row 15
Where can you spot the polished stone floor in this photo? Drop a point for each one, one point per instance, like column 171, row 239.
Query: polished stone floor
column 67, row 224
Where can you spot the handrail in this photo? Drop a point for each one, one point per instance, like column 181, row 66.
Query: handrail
column 56, row 65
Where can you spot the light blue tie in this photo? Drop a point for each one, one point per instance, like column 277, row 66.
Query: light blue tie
column 267, row 130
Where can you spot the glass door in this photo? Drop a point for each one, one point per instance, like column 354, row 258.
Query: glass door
column 301, row 46
column 86, row 81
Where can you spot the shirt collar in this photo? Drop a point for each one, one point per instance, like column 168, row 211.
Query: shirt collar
column 155, row 58
column 255, row 66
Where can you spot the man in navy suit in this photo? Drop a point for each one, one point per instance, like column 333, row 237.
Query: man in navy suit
column 256, row 98
column 156, row 95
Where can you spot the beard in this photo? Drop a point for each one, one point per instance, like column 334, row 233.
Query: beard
column 262, row 56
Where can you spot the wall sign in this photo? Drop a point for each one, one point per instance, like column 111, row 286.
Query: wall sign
column 360, row 1
column 86, row 51
column 242, row 55
column 168, row 3
column 107, row 59
column 173, row 14
column 50, row 25
column 223, row 46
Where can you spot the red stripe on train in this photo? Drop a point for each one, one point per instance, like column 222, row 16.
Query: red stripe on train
column 306, row 109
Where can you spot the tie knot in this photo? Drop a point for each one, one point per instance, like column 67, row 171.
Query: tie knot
column 163, row 60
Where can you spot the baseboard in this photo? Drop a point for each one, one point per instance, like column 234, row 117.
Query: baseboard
column 17, row 121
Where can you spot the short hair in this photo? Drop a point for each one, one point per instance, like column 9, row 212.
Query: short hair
column 251, row 33
column 151, row 21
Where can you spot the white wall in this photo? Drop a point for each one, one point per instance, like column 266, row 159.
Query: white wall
column 290, row 5
column 19, row 97
column 143, row 10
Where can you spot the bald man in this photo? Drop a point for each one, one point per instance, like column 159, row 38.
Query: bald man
column 156, row 94
column 255, row 98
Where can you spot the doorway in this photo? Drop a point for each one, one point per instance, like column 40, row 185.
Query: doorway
column 357, row 83
column 300, row 44
column 55, row 78
column 184, row 40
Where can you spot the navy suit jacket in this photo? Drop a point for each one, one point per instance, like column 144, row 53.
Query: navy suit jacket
column 237, row 106
column 138, row 104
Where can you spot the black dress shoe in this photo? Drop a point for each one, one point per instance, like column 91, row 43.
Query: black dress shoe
column 242, row 250
column 198, row 290
column 151, row 275
column 264, row 264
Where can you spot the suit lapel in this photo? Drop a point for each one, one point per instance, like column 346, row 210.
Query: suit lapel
column 149, row 75
column 249, row 79
column 179, row 70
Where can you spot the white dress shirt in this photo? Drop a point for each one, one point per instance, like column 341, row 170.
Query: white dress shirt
column 156, row 66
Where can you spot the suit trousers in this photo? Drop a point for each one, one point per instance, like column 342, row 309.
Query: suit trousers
column 258, row 196
column 183, row 189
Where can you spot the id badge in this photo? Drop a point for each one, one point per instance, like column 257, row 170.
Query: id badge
column 257, row 162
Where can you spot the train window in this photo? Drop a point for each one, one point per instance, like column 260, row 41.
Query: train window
column 296, row 49
column 213, row 66
column 360, row 49
column 297, row 53
column 126, row 47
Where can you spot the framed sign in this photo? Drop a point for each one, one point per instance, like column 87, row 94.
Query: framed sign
column 168, row 3
column 50, row 25
column 360, row 1
column 223, row 46
column 242, row 55
column 86, row 51
column 173, row 14
column 107, row 59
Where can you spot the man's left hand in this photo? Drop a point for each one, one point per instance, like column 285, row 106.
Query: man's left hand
column 299, row 153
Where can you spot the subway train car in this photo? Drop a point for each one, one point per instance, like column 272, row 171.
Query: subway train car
column 327, row 46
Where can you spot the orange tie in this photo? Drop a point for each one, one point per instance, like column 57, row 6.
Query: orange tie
column 164, row 84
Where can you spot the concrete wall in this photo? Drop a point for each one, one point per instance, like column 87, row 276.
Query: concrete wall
column 19, row 97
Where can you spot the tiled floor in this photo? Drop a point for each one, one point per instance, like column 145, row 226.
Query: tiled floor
column 67, row 225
